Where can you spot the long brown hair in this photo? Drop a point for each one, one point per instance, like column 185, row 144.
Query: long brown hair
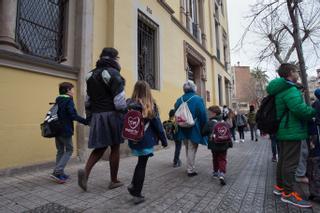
column 142, row 94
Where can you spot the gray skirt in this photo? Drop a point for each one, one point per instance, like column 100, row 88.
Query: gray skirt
column 105, row 129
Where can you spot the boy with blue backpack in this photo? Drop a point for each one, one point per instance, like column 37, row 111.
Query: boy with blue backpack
column 171, row 129
column 220, row 140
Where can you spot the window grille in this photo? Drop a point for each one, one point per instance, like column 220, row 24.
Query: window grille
column 39, row 30
column 147, row 37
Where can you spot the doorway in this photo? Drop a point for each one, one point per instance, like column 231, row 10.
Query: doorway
column 195, row 66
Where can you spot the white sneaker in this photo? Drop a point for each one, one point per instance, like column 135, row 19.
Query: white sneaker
column 242, row 141
column 236, row 141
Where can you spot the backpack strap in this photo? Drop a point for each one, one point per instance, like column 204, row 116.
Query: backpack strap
column 146, row 126
column 186, row 100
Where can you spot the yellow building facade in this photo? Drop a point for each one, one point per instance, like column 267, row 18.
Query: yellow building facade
column 162, row 42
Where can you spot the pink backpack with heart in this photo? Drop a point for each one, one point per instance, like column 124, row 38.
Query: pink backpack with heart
column 133, row 126
column 221, row 132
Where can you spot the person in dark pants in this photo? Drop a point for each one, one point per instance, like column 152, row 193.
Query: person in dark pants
column 232, row 123
column 253, row 124
column 171, row 129
column 274, row 147
column 292, row 129
column 67, row 114
column 241, row 123
column 219, row 150
column 106, row 106
column 142, row 100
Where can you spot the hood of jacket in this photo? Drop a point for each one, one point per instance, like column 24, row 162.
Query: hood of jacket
column 279, row 85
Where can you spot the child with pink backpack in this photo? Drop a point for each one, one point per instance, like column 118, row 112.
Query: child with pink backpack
column 143, row 136
column 220, row 140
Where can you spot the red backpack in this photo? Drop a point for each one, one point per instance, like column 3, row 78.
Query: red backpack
column 133, row 126
column 221, row 132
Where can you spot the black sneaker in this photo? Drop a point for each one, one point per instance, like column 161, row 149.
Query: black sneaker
column 222, row 179
column 192, row 174
column 177, row 164
column 138, row 199
column 131, row 189
column 58, row 178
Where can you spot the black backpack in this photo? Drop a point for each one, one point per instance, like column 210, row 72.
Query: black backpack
column 169, row 128
column 266, row 116
column 51, row 127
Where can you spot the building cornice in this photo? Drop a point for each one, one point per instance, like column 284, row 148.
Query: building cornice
column 166, row 6
column 36, row 64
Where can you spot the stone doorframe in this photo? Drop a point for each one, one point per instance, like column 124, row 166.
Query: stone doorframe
column 191, row 54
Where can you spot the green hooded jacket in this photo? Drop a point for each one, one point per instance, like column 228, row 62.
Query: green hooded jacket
column 293, row 125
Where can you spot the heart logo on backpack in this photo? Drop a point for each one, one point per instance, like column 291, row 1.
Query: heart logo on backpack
column 133, row 122
column 222, row 130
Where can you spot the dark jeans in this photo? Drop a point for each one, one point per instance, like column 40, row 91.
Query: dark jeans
column 289, row 155
column 139, row 175
column 241, row 131
column 177, row 151
column 274, row 145
column 253, row 131
column 233, row 133
column 64, row 152
column 219, row 161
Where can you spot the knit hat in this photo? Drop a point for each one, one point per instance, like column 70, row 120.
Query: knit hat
column 109, row 52
column 317, row 93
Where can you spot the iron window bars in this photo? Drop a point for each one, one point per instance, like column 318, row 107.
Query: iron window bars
column 40, row 25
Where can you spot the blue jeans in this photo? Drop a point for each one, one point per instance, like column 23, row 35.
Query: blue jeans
column 177, row 151
column 253, row 131
column 233, row 133
column 302, row 166
column 274, row 145
column 64, row 152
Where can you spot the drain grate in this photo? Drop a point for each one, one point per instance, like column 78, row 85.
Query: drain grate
column 51, row 208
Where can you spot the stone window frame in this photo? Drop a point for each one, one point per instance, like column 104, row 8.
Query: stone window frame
column 12, row 57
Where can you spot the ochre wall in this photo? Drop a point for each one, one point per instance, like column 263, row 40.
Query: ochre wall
column 24, row 102
column 171, row 51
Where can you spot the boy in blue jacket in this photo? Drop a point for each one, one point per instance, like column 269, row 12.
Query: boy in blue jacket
column 66, row 114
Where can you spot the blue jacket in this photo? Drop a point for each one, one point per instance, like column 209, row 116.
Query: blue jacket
column 152, row 135
column 199, row 113
column 67, row 114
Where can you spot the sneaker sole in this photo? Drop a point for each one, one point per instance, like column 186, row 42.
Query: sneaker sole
column 136, row 202
column 295, row 204
column 57, row 179
column 277, row 193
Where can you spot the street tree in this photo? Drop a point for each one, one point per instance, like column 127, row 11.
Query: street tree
column 284, row 28
column 261, row 79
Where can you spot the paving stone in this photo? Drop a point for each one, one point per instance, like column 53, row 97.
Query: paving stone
column 250, row 177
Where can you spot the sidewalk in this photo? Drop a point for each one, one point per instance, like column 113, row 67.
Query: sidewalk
column 250, row 176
